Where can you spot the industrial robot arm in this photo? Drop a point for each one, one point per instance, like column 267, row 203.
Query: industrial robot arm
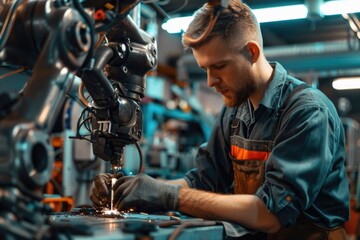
column 54, row 40
column 116, row 117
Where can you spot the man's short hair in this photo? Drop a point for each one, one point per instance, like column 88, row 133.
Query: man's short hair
column 234, row 21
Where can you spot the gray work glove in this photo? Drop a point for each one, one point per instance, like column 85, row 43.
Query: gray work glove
column 145, row 193
column 100, row 190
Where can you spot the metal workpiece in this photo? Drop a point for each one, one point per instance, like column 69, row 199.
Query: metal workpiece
column 129, row 226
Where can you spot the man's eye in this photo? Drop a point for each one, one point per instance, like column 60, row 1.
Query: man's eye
column 219, row 66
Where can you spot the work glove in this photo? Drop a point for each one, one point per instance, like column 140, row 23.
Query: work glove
column 100, row 189
column 145, row 193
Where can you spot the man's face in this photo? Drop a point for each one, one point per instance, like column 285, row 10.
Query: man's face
column 228, row 70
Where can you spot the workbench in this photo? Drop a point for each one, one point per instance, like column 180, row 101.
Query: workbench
column 81, row 226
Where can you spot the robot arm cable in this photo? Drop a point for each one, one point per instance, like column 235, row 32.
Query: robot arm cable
column 141, row 157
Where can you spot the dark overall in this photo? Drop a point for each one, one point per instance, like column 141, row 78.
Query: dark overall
column 249, row 158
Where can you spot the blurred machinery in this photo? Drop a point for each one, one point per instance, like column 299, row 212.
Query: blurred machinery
column 176, row 125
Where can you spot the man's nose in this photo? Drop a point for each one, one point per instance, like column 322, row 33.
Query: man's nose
column 212, row 80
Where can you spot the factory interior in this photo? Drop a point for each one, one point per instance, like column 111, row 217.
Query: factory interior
column 52, row 142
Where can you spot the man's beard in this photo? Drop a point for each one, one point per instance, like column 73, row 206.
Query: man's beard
column 242, row 95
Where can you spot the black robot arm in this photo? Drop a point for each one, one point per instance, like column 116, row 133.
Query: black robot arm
column 116, row 115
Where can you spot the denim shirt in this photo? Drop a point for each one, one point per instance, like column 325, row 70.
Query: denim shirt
column 305, row 172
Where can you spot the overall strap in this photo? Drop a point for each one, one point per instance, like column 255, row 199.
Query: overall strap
column 235, row 123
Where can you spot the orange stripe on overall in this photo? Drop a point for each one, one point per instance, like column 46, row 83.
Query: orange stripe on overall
column 244, row 154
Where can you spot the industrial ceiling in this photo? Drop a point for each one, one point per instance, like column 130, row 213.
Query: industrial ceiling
column 316, row 49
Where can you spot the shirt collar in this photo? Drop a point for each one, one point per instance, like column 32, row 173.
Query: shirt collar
column 273, row 92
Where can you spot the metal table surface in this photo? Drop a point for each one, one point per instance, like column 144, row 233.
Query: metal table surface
column 136, row 226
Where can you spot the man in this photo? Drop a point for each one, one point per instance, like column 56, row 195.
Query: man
column 275, row 160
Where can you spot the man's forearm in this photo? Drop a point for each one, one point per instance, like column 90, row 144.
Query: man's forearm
column 246, row 210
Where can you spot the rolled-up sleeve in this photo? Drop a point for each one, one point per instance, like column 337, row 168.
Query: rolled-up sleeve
column 302, row 162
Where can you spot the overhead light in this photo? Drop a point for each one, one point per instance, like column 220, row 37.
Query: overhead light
column 176, row 25
column 346, row 83
column 340, row 7
column 273, row 14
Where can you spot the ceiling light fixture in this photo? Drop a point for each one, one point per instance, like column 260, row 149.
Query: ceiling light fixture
column 176, row 25
column 273, row 14
column 346, row 83
column 340, row 7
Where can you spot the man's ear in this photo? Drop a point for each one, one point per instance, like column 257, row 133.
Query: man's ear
column 253, row 50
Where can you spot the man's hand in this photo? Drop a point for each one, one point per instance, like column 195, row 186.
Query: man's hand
column 101, row 186
column 145, row 194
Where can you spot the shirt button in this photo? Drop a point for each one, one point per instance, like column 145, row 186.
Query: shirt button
column 288, row 198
